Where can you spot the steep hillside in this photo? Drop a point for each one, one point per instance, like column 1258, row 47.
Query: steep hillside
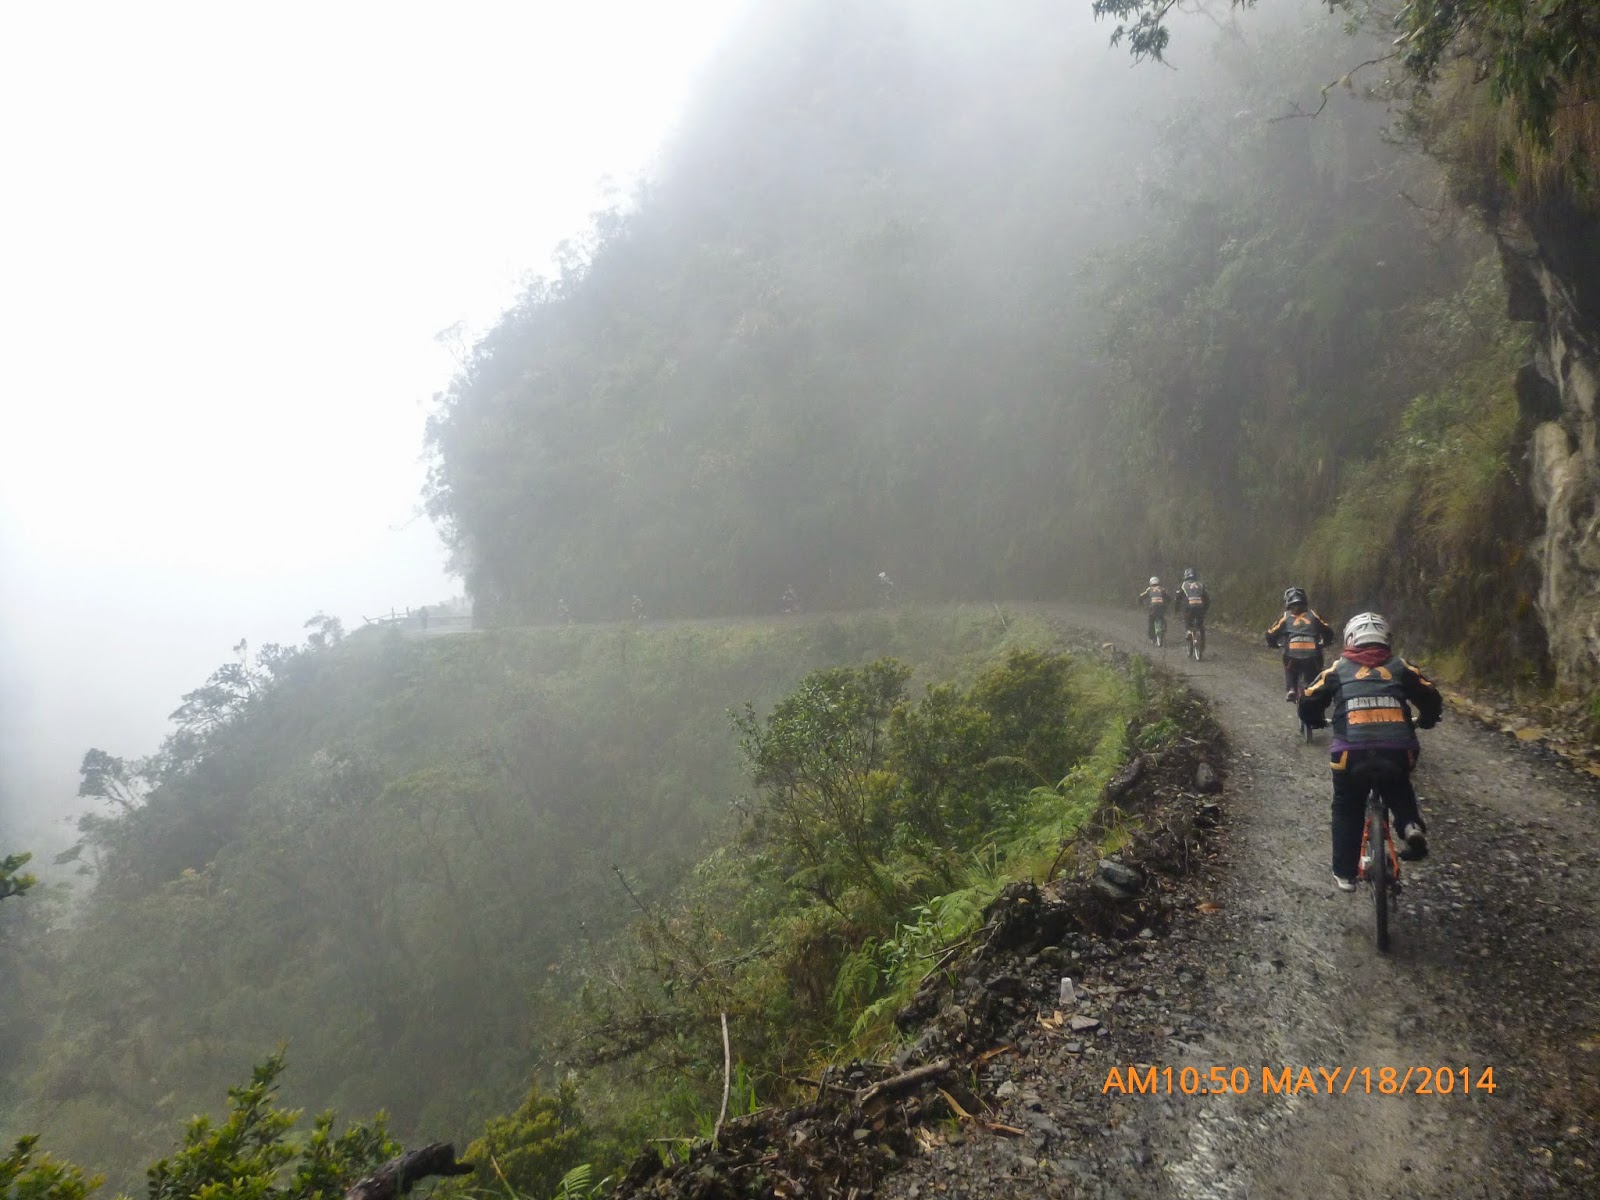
column 378, row 849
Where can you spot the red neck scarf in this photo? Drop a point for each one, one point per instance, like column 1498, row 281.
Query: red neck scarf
column 1369, row 656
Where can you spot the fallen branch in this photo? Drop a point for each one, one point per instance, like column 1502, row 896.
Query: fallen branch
column 947, row 956
column 822, row 1085
column 900, row 1083
column 396, row 1177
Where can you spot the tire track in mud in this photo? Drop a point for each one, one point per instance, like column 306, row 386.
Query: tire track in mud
column 1494, row 964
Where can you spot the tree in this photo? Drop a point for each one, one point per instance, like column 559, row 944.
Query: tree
column 223, row 696
column 12, row 881
column 117, row 781
column 532, row 1148
column 26, row 1177
column 1538, row 56
column 250, row 1156
column 326, row 632
column 818, row 761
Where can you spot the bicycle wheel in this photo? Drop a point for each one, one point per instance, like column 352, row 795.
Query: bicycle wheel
column 1378, row 868
column 1200, row 644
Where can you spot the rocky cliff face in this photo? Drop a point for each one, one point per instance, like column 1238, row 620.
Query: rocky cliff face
column 1552, row 258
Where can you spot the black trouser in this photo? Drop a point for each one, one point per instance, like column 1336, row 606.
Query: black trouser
column 1350, row 786
column 1301, row 668
column 1194, row 618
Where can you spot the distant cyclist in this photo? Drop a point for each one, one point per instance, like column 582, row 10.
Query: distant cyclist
column 1155, row 600
column 637, row 609
column 563, row 613
column 1193, row 601
column 1371, row 689
column 885, row 588
column 791, row 600
column 1301, row 635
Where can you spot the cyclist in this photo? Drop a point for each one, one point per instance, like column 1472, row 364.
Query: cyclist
column 563, row 613
column 1154, row 598
column 1371, row 690
column 791, row 600
column 1301, row 635
column 1193, row 600
column 885, row 588
column 636, row 607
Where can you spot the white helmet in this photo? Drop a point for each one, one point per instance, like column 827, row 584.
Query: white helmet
column 1366, row 629
column 1154, row 582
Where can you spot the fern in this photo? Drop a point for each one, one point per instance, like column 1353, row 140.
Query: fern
column 576, row 1184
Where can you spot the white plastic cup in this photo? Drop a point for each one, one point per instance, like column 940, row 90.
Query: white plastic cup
column 1066, row 995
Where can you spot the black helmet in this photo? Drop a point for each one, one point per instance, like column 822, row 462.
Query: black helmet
column 1293, row 596
column 1188, row 574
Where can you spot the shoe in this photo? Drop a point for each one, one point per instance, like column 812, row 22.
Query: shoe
column 1416, row 843
column 1344, row 885
column 1288, row 697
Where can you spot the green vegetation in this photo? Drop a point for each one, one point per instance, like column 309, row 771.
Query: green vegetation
column 881, row 826
column 13, row 881
column 25, row 1175
column 889, row 806
column 1537, row 59
column 251, row 1154
column 1337, row 372
column 383, row 849
column 1442, row 495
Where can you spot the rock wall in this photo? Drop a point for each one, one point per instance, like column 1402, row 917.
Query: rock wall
column 1552, row 258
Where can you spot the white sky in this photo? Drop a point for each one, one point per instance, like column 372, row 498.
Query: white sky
column 228, row 235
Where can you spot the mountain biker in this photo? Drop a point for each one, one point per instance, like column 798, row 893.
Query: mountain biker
column 1371, row 690
column 1193, row 600
column 1301, row 635
column 791, row 600
column 1154, row 598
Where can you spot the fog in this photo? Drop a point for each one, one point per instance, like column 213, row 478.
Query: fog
column 927, row 290
column 235, row 242
column 231, row 238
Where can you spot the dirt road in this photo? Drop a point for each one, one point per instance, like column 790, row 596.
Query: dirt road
column 1494, row 965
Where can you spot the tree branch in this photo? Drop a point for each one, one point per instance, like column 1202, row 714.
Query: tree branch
column 1299, row 113
column 396, row 1177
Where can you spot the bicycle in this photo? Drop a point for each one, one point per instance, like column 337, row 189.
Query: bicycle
column 1381, row 869
column 1306, row 732
column 1196, row 638
column 1159, row 626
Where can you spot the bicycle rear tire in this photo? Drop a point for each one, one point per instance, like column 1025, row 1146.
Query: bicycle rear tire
column 1378, row 870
